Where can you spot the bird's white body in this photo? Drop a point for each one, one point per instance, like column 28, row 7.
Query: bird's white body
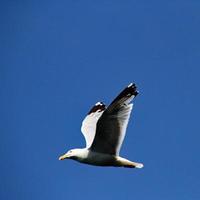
column 100, row 159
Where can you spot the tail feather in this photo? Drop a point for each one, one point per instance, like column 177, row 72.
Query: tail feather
column 128, row 164
column 134, row 165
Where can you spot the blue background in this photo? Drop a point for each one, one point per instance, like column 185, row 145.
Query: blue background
column 58, row 58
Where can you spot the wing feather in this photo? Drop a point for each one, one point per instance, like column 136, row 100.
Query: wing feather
column 112, row 124
column 88, row 127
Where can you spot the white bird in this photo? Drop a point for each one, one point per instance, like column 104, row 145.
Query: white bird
column 104, row 130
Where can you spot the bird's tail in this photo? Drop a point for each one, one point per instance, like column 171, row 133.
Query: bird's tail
column 128, row 164
column 133, row 165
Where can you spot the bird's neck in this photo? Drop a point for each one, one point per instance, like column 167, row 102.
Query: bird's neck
column 81, row 154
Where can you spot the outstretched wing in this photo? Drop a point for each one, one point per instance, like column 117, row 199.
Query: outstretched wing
column 88, row 127
column 111, row 126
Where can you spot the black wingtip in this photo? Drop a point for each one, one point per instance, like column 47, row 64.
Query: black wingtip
column 99, row 106
column 131, row 89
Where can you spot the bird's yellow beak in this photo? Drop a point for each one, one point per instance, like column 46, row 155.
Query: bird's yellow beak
column 65, row 156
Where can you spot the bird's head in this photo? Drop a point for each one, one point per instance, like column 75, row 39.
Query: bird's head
column 71, row 154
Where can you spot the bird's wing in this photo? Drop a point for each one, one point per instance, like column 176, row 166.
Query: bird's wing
column 88, row 127
column 111, row 126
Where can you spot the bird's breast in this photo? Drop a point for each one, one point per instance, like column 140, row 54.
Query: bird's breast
column 99, row 159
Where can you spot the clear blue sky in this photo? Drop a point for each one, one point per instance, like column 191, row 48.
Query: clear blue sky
column 58, row 58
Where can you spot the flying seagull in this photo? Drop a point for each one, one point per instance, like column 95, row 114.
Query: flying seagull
column 104, row 130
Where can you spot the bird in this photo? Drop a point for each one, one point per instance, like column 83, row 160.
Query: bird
column 104, row 129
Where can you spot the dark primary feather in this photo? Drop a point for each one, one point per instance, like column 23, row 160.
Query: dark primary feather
column 100, row 106
column 126, row 94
